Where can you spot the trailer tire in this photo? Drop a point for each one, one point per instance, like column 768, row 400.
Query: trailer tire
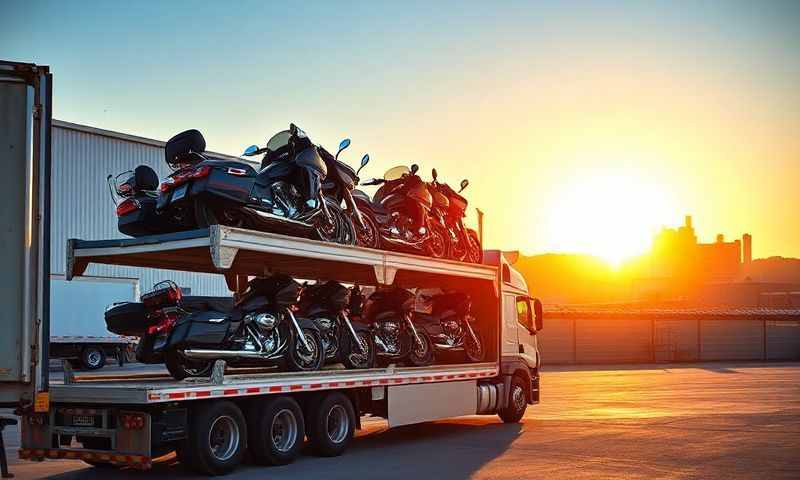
column 276, row 430
column 93, row 357
column 217, row 439
column 517, row 401
column 331, row 424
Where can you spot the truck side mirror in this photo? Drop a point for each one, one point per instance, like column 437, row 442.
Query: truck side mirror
column 538, row 314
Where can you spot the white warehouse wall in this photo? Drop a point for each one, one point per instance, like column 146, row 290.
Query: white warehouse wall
column 82, row 207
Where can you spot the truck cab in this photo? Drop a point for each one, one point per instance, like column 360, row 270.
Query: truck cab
column 521, row 320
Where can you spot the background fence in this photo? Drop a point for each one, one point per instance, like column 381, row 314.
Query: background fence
column 586, row 337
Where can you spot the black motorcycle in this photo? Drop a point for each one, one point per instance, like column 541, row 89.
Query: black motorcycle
column 401, row 207
column 450, row 324
column 390, row 313
column 258, row 329
column 449, row 209
column 283, row 196
column 327, row 305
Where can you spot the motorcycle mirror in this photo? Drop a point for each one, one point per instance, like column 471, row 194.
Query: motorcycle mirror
column 364, row 162
column 434, row 174
column 464, row 184
column 342, row 145
column 414, row 169
column 250, row 151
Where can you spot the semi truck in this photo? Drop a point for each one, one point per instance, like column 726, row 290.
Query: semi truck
column 211, row 423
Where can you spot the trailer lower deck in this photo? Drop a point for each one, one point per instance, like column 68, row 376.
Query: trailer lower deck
column 131, row 421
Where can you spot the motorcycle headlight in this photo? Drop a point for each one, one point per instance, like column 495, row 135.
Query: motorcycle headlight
column 266, row 320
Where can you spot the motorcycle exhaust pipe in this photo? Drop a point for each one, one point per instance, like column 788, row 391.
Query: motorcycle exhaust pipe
column 202, row 354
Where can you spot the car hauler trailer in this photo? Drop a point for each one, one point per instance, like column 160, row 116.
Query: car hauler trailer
column 211, row 421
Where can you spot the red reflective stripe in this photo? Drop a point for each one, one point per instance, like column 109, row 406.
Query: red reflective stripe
column 349, row 384
column 202, row 394
column 230, row 391
column 295, row 387
column 315, row 385
column 253, row 390
column 333, row 384
column 275, row 389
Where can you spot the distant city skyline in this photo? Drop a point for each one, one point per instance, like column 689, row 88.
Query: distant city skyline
column 582, row 127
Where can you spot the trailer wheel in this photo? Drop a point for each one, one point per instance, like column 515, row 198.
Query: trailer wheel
column 517, row 402
column 216, row 441
column 93, row 357
column 331, row 424
column 275, row 430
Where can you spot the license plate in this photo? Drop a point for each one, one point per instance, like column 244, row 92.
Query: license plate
column 180, row 192
column 83, row 420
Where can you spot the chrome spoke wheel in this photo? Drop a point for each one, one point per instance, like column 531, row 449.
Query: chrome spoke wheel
column 307, row 358
column 356, row 356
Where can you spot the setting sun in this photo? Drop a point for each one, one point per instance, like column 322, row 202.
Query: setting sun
column 612, row 215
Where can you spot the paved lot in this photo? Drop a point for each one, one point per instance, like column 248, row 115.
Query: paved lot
column 680, row 421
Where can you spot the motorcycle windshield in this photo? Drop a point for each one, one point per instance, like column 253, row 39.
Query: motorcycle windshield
column 279, row 140
column 396, row 172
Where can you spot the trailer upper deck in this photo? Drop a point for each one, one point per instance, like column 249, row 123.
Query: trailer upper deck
column 222, row 249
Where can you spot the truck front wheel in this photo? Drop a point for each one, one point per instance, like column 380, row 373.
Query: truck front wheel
column 331, row 424
column 276, row 430
column 93, row 357
column 517, row 402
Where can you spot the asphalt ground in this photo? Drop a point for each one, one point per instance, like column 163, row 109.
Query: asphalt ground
column 714, row 420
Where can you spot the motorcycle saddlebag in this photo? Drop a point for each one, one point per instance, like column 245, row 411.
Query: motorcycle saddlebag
column 127, row 319
column 143, row 220
column 181, row 145
column 202, row 329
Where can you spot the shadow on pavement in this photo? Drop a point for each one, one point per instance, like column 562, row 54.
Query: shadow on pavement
column 450, row 449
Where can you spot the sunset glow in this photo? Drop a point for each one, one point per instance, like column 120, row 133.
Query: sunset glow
column 612, row 215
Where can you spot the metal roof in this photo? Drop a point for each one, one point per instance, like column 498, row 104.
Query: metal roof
column 135, row 139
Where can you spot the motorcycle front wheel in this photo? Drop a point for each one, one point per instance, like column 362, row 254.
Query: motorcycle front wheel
column 474, row 248
column 354, row 358
column 437, row 244
column 420, row 354
column 180, row 367
column 369, row 235
column 473, row 348
column 336, row 229
column 301, row 360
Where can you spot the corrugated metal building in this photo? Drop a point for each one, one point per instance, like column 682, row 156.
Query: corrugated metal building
column 586, row 334
column 82, row 208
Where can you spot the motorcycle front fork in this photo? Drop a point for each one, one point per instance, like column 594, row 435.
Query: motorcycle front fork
column 353, row 208
column 470, row 330
column 414, row 331
column 352, row 331
column 298, row 330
